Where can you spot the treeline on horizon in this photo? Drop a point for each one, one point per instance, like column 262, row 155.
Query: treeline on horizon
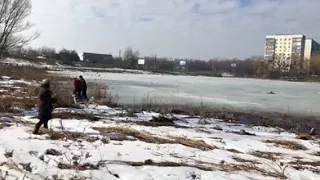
column 254, row 67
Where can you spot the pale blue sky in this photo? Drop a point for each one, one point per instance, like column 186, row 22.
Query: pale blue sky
column 200, row 29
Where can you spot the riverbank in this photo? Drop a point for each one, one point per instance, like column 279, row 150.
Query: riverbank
column 231, row 93
column 149, row 141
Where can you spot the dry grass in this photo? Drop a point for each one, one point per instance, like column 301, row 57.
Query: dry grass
column 228, row 115
column 159, row 121
column 101, row 95
column 27, row 73
column 239, row 159
column 74, row 136
column 53, row 135
column 62, row 89
column 80, row 116
column 304, row 137
column 242, row 132
column 199, row 144
column 309, row 165
column 205, row 166
column 266, row 155
column 13, row 104
column 79, row 167
column 287, row 144
column 121, row 138
column 58, row 87
column 146, row 137
column 234, row 151
column 26, row 96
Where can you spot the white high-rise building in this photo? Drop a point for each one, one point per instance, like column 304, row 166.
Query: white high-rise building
column 284, row 50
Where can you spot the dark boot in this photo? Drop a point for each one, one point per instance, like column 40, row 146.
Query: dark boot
column 37, row 127
column 84, row 94
column 45, row 124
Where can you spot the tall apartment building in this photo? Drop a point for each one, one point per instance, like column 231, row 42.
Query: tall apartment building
column 285, row 49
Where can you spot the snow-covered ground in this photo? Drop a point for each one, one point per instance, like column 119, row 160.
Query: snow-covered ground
column 6, row 81
column 21, row 62
column 130, row 71
column 228, row 155
column 99, row 142
column 59, row 66
column 18, row 62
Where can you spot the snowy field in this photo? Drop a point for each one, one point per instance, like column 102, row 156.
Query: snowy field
column 243, row 94
column 97, row 149
column 58, row 66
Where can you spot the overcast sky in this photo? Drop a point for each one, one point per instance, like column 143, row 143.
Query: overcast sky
column 200, row 29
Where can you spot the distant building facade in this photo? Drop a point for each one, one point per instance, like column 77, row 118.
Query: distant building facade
column 311, row 51
column 291, row 48
column 312, row 48
column 97, row 58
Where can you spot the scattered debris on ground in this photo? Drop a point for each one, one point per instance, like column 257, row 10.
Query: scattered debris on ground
column 287, row 144
column 242, row 132
column 149, row 138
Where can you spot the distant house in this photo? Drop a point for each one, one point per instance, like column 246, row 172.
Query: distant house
column 97, row 58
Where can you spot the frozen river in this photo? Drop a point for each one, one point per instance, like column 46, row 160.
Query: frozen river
column 235, row 93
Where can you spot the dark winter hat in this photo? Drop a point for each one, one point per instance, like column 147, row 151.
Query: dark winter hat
column 80, row 77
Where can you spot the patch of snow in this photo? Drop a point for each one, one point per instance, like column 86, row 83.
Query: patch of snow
column 9, row 82
column 29, row 148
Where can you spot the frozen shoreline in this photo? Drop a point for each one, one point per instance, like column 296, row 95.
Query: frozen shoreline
column 232, row 93
column 100, row 142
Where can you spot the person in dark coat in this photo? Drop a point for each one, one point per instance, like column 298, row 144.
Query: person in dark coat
column 83, row 88
column 45, row 105
column 77, row 87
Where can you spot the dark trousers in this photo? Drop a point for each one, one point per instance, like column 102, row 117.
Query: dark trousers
column 84, row 94
column 39, row 124
column 77, row 92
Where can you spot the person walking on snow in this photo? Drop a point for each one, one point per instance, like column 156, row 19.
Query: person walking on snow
column 83, row 88
column 77, row 87
column 45, row 106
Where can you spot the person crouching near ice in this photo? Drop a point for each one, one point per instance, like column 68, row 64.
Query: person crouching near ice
column 45, row 105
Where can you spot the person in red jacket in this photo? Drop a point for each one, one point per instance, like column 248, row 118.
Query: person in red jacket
column 77, row 87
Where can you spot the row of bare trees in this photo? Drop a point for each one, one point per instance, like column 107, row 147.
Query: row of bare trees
column 252, row 67
column 66, row 56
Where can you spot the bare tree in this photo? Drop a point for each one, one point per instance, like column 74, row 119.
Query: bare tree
column 30, row 52
column 130, row 58
column 315, row 65
column 262, row 69
column 47, row 52
column 13, row 23
column 130, row 54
